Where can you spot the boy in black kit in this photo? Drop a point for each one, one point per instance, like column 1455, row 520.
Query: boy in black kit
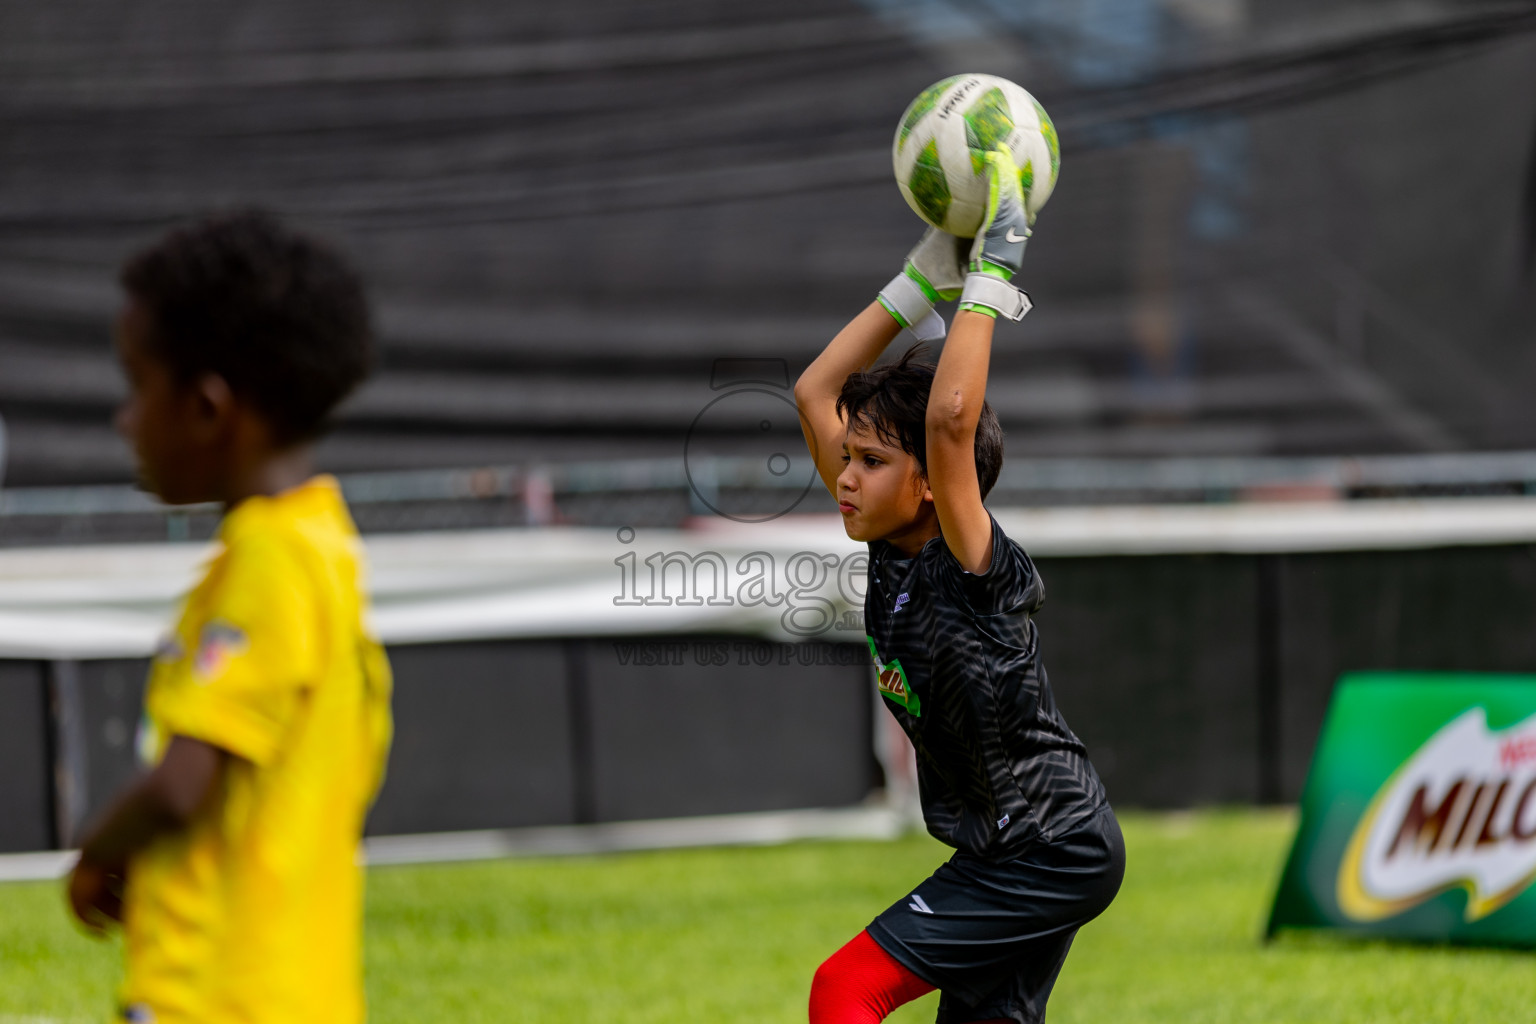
column 909, row 451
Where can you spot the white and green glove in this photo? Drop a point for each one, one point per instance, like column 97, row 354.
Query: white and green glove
column 998, row 251
column 934, row 272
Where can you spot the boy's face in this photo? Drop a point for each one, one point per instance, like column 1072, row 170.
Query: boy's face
column 173, row 428
column 881, row 491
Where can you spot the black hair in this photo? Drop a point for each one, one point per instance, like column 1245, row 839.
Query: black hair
column 893, row 399
column 279, row 315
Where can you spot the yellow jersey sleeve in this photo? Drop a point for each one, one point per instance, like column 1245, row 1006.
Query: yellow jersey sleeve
column 252, row 636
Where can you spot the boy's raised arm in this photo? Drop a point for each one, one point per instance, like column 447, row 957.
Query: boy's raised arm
column 854, row 348
column 960, row 382
column 933, row 271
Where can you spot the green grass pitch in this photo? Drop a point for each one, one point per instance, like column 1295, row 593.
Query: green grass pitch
column 734, row 935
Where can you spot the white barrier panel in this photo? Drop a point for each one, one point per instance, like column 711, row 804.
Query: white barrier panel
column 746, row 579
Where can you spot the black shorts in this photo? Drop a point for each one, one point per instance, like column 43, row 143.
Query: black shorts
column 992, row 935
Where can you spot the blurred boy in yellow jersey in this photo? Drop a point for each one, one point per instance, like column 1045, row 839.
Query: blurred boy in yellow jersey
column 232, row 863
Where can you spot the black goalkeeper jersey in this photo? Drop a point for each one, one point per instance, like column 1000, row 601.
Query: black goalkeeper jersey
column 960, row 669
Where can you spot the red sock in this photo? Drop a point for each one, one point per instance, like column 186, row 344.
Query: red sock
column 861, row 984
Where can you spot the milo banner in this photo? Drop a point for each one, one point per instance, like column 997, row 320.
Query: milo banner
column 1419, row 816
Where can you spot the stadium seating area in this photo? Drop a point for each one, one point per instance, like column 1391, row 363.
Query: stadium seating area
column 568, row 212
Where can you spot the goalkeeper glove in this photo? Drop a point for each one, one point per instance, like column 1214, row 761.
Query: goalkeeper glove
column 998, row 250
column 934, row 272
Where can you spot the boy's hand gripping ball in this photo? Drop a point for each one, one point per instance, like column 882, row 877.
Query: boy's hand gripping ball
column 934, row 272
column 998, row 251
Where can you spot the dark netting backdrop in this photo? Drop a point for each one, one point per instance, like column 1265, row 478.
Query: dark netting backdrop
column 1282, row 226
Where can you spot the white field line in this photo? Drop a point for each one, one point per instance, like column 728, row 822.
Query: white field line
column 763, row 829
column 34, row 867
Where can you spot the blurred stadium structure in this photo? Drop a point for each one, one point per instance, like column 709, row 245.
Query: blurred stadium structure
column 1291, row 256
column 1284, row 228
column 663, row 492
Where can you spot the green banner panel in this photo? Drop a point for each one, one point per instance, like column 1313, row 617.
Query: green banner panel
column 1418, row 820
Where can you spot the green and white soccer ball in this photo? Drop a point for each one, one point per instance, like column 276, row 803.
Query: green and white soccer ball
column 942, row 141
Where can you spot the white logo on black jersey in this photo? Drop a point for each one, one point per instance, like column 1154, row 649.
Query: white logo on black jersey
column 918, row 905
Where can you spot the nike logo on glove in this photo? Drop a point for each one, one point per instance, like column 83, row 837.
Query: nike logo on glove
column 1011, row 237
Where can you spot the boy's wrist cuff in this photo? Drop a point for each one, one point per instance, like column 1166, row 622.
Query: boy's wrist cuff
column 983, row 289
column 905, row 300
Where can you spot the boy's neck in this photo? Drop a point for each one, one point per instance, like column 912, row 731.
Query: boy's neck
column 273, row 473
column 911, row 540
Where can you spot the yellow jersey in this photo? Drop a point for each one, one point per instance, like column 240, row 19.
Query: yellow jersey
column 253, row 913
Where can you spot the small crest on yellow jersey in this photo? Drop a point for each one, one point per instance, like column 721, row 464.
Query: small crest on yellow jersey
column 219, row 644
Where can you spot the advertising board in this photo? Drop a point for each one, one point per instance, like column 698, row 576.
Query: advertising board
column 1418, row 820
